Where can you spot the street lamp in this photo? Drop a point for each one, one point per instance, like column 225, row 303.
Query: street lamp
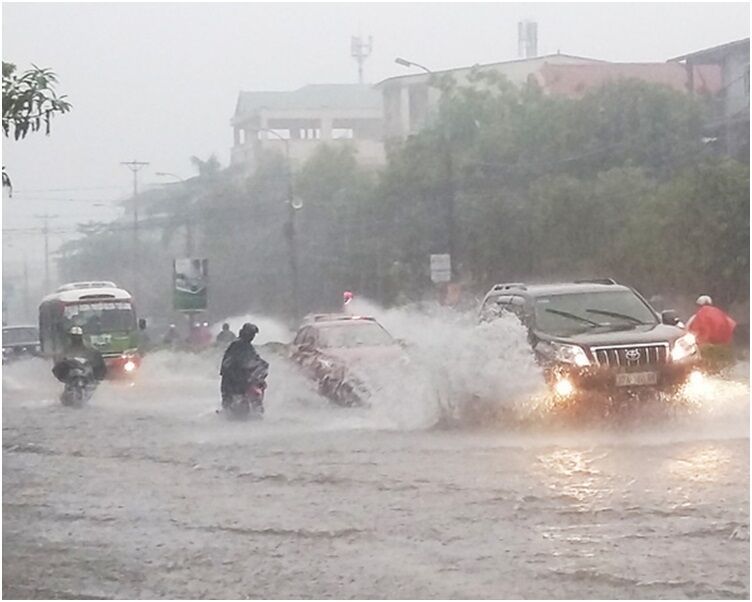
column 405, row 63
column 168, row 174
column 449, row 185
column 293, row 206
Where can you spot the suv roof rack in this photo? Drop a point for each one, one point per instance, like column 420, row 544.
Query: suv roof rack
column 509, row 285
column 334, row 317
column 596, row 281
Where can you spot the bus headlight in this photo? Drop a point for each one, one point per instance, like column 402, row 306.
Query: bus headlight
column 684, row 347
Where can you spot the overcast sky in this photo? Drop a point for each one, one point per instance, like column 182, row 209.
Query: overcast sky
column 158, row 82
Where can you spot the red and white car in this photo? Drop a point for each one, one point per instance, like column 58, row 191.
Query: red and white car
column 334, row 350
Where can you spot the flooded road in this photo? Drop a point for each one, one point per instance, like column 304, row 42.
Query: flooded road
column 147, row 493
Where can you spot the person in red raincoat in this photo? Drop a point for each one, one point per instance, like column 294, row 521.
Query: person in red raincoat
column 711, row 325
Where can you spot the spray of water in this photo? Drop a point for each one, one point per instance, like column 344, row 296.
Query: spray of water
column 453, row 370
column 458, row 370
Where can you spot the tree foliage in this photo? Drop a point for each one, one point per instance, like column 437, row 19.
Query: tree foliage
column 30, row 100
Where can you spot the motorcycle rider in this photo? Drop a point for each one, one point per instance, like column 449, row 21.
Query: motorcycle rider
column 238, row 357
column 77, row 348
column 714, row 331
column 710, row 324
column 171, row 337
column 226, row 336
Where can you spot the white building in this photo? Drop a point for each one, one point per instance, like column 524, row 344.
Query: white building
column 304, row 119
column 410, row 100
column 731, row 121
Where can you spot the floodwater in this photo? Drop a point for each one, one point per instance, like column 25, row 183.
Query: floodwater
column 147, row 493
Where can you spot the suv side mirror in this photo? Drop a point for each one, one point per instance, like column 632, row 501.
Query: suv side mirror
column 669, row 317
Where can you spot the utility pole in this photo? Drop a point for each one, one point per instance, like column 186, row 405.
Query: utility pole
column 450, row 191
column 135, row 167
column 46, row 232
column 27, row 298
column 293, row 206
column 360, row 51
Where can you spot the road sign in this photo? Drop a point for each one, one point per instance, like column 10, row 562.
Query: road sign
column 441, row 268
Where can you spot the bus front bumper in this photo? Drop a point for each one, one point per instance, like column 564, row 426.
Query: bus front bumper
column 124, row 365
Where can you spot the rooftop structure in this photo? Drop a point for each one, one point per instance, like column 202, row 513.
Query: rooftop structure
column 302, row 120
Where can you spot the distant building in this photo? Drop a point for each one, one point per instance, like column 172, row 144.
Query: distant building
column 336, row 114
column 730, row 124
column 410, row 100
column 576, row 80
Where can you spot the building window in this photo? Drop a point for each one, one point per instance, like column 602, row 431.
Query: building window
column 310, row 134
column 342, row 133
column 273, row 134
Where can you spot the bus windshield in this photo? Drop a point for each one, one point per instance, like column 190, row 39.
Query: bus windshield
column 102, row 317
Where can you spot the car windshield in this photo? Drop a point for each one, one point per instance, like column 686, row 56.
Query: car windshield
column 99, row 318
column 13, row 336
column 573, row 313
column 362, row 334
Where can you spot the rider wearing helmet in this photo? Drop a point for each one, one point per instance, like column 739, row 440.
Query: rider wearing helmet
column 77, row 348
column 710, row 324
column 238, row 357
column 226, row 336
column 714, row 331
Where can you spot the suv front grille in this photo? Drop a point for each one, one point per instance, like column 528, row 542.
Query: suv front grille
column 628, row 356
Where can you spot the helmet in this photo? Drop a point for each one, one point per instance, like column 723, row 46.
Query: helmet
column 248, row 331
column 76, row 331
column 704, row 300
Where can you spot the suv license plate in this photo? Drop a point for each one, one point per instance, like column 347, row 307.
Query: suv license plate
column 636, row 379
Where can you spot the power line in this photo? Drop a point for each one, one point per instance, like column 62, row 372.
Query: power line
column 75, row 189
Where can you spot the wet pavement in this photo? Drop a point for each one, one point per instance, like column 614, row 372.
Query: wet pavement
column 148, row 493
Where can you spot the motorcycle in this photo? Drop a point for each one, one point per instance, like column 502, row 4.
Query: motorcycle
column 79, row 382
column 250, row 403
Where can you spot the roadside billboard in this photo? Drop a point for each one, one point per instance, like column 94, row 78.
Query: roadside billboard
column 190, row 284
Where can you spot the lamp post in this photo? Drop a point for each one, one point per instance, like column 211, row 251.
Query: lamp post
column 189, row 215
column 292, row 206
column 449, row 200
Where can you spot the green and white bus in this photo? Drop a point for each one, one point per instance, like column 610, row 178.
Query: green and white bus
column 106, row 315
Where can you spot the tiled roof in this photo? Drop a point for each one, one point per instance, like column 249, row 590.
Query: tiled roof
column 715, row 50
column 313, row 96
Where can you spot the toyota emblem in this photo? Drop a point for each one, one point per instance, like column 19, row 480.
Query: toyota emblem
column 632, row 355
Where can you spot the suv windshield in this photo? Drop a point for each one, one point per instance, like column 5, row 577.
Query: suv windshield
column 362, row 334
column 573, row 313
column 14, row 336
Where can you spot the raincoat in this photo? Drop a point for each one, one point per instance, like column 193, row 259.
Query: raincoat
column 712, row 326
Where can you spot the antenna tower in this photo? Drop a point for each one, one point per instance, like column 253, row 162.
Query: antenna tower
column 360, row 51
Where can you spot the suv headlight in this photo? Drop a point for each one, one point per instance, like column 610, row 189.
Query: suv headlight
column 565, row 353
column 684, row 347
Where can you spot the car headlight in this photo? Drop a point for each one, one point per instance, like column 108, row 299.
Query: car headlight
column 129, row 366
column 564, row 387
column 566, row 354
column 684, row 347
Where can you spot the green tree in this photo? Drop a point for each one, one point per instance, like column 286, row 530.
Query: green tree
column 30, row 100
